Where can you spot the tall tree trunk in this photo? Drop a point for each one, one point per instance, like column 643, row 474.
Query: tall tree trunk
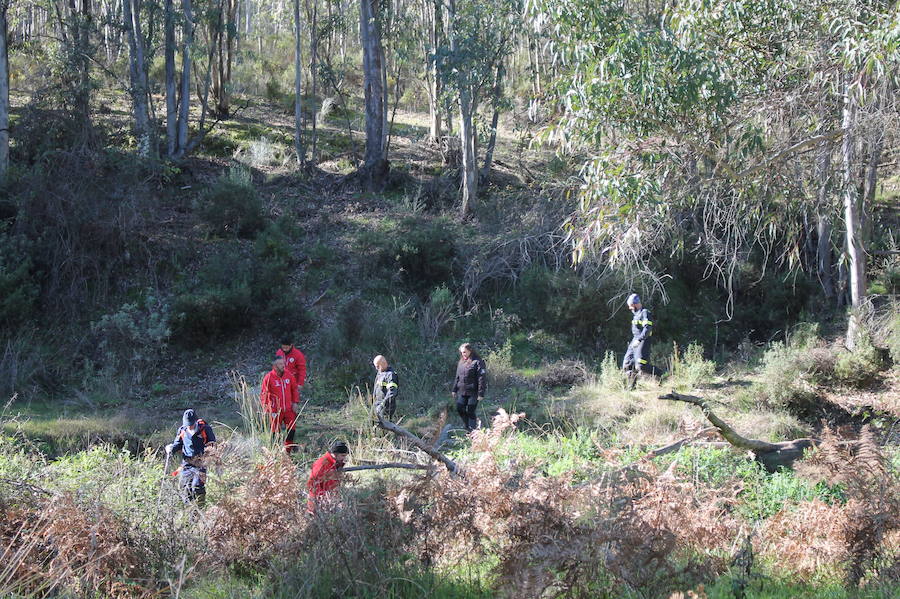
column 824, row 263
column 375, row 167
column 171, row 93
column 137, row 68
column 185, row 97
column 298, row 85
column 855, row 252
column 4, row 91
column 468, row 173
column 496, row 97
column 313, row 70
column 433, row 72
column 870, row 181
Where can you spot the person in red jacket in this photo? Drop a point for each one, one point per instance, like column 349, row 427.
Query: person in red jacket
column 279, row 398
column 294, row 362
column 325, row 475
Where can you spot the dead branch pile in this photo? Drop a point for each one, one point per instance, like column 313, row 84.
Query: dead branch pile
column 553, row 538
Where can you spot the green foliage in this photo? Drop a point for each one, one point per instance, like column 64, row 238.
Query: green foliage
column 133, row 339
column 611, row 375
column 893, row 337
column 561, row 302
column 886, row 280
column 232, row 207
column 230, row 289
column 763, row 494
column 420, row 252
column 19, row 287
column 787, row 375
column 575, row 454
column 858, row 367
column 690, row 368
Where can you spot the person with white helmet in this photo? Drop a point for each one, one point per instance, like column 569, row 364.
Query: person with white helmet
column 636, row 362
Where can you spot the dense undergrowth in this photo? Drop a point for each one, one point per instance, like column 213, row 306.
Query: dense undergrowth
column 538, row 512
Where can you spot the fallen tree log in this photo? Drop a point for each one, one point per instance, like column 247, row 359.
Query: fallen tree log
column 384, row 466
column 419, row 443
column 771, row 455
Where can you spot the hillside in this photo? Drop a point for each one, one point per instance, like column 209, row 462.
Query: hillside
column 178, row 196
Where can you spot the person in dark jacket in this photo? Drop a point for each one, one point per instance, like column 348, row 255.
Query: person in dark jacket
column 469, row 386
column 194, row 436
column 636, row 362
column 386, row 387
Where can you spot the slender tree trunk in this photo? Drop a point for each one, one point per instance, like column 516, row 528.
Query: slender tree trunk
column 855, row 252
column 137, row 68
column 4, row 91
column 824, row 264
column 185, row 98
column 469, row 169
column 171, row 93
column 298, row 85
column 373, row 72
column 313, row 70
column 497, row 96
column 433, row 73
column 870, row 183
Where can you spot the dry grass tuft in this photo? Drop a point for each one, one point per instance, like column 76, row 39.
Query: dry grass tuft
column 84, row 549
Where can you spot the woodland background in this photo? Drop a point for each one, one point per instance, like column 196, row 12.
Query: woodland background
column 183, row 183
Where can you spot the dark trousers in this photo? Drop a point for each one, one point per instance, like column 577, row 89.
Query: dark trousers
column 637, row 362
column 386, row 408
column 465, row 407
column 193, row 483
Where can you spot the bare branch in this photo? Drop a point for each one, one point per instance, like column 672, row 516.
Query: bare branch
column 417, row 442
column 729, row 433
column 388, row 465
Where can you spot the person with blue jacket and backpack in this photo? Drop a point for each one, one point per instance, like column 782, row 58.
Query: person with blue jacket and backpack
column 193, row 437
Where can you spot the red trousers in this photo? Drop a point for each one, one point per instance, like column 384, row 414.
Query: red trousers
column 286, row 419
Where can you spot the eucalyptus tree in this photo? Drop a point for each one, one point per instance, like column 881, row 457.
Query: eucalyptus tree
column 480, row 37
column 139, row 87
column 374, row 168
column 222, row 25
column 298, row 85
column 700, row 120
column 4, row 90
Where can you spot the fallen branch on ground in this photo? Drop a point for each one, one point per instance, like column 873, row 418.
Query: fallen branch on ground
column 770, row 455
column 384, row 466
column 417, row 442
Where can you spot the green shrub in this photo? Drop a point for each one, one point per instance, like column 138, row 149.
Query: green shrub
column 564, row 302
column 787, row 374
column 421, row 252
column 893, row 337
column 763, row 494
column 231, row 207
column 612, row 377
column 228, row 291
column 19, row 289
column 132, row 339
column 860, row 366
column 887, row 280
column 690, row 368
column 273, row 244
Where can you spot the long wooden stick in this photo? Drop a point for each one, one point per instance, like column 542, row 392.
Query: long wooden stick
column 729, row 433
column 417, row 442
column 383, row 466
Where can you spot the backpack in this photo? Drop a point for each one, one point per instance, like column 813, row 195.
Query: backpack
column 201, row 428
